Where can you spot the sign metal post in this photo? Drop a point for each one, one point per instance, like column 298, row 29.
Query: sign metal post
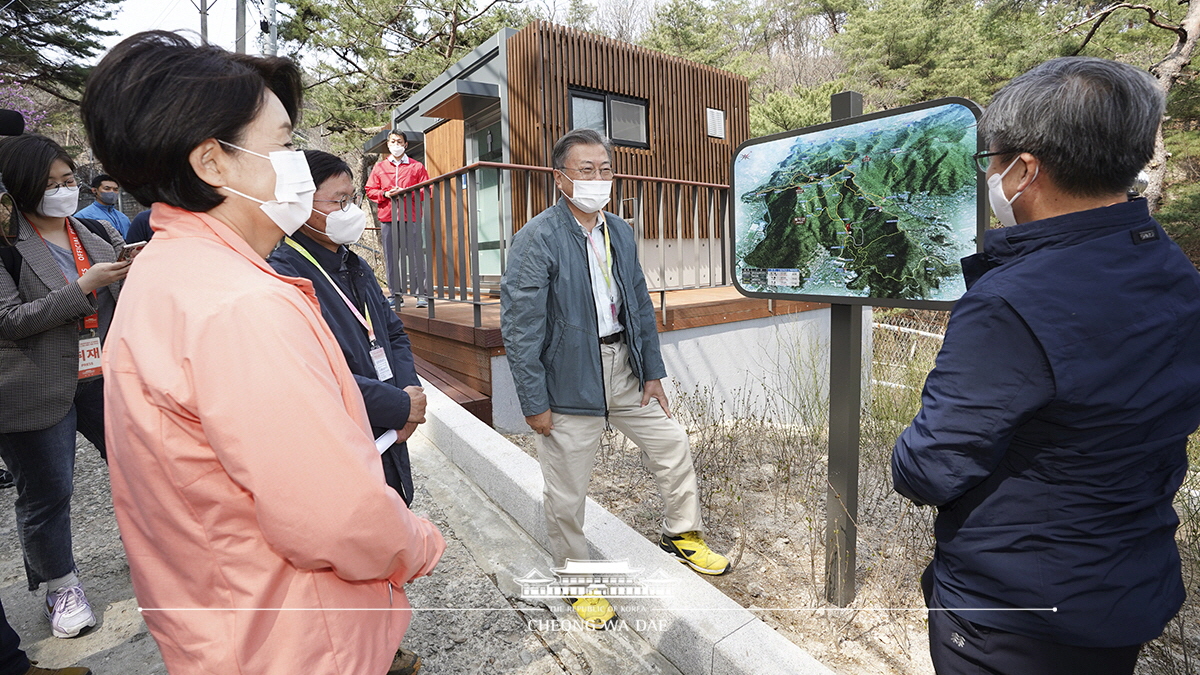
column 845, row 401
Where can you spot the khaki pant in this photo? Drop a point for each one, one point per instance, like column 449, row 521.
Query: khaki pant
column 568, row 454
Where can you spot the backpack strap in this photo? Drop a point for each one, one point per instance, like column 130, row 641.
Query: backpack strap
column 12, row 262
column 97, row 228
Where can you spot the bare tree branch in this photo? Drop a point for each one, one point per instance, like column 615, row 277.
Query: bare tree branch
column 1100, row 17
column 1168, row 71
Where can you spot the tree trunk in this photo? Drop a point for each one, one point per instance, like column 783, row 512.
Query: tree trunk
column 1167, row 71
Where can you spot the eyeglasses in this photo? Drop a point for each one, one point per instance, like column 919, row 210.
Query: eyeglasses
column 592, row 174
column 52, row 188
column 982, row 159
column 343, row 203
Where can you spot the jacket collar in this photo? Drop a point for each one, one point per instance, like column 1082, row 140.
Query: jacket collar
column 1003, row 245
column 332, row 261
column 564, row 211
column 175, row 223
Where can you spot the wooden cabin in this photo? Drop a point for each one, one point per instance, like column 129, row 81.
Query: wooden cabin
column 486, row 128
column 512, row 97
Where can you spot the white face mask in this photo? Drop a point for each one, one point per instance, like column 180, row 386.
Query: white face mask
column 343, row 227
column 590, row 195
column 64, row 202
column 1001, row 205
column 397, row 151
column 294, row 189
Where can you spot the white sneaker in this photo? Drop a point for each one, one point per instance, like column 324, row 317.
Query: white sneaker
column 69, row 611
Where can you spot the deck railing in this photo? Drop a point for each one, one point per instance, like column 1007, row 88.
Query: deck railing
column 468, row 218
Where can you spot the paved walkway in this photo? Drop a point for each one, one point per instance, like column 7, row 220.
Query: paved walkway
column 469, row 616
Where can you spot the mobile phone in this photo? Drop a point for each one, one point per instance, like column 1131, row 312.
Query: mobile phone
column 128, row 251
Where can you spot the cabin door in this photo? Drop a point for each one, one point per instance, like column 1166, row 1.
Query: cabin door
column 484, row 146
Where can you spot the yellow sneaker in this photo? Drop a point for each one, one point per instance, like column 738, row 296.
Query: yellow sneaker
column 595, row 611
column 690, row 548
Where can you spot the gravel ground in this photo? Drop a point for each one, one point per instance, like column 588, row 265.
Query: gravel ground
column 469, row 617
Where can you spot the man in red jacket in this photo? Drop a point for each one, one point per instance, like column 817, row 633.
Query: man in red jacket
column 400, row 218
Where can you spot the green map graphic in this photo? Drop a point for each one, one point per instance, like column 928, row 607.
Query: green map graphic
column 881, row 209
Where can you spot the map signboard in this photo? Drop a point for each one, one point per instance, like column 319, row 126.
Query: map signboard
column 876, row 209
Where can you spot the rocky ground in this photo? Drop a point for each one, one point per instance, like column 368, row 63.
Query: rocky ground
column 469, row 617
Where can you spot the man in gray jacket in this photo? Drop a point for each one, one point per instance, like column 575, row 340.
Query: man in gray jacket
column 582, row 344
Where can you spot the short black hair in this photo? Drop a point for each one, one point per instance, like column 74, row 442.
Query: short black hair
column 324, row 166
column 101, row 178
column 25, row 165
column 401, row 134
column 156, row 96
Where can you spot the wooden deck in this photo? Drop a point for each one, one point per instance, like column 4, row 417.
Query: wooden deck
column 451, row 343
column 685, row 309
column 476, row 403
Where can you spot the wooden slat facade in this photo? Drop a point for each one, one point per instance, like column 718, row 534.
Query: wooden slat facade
column 445, row 150
column 546, row 61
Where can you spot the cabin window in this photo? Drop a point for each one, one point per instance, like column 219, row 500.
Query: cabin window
column 627, row 121
column 621, row 118
column 587, row 112
column 715, row 119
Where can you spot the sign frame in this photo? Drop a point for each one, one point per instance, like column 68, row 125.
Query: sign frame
column 982, row 214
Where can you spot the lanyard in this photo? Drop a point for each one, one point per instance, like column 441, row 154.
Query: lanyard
column 363, row 317
column 604, row 264
column 82, row 265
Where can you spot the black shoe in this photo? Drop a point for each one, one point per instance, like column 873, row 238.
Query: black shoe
column 405, row 663
column 6, row 479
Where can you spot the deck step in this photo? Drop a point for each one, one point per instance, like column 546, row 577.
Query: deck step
column 476, row 403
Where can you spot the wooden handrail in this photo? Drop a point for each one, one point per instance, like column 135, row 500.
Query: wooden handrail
column 546, row 169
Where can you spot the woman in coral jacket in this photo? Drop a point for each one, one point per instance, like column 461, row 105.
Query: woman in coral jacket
column 260, row 533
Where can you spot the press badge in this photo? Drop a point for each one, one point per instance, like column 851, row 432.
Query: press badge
column 382, row 369
column 89, row 357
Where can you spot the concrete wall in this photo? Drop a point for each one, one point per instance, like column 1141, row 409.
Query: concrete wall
column 746, row 362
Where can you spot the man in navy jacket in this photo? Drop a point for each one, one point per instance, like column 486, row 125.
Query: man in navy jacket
column 1053, row 430
column 394, row 398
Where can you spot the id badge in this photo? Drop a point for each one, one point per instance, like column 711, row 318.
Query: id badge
column 382, row 369
column 89, row 357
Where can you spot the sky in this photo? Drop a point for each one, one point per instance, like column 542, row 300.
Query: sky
column 138, row 15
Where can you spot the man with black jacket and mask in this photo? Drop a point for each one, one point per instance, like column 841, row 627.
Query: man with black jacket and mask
column 1052, row 432
column 370, row 334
